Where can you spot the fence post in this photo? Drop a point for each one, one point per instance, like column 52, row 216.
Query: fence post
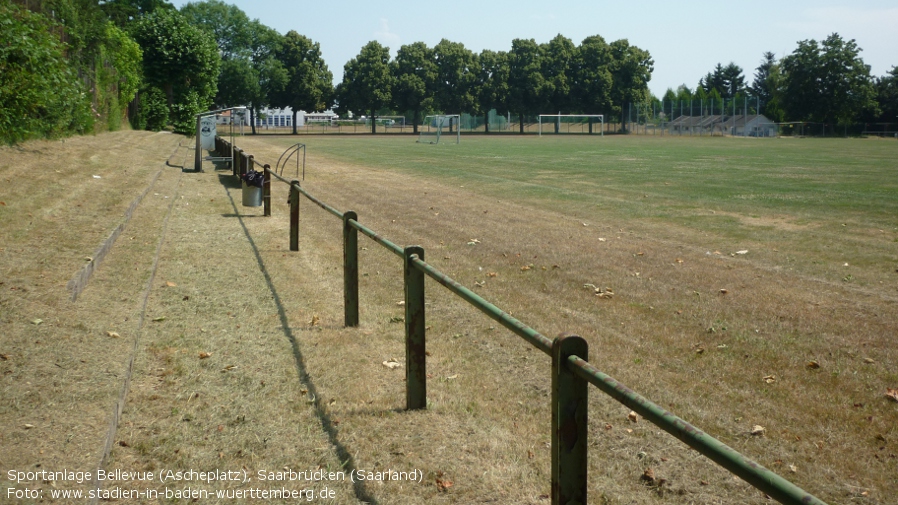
column 415, row 348
column 350, row 270
column 266, row 189
column 294, row 215
column 235, row 159
column 569, row 423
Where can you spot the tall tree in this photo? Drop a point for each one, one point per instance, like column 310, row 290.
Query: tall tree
column 309, row 82
column 526, row 84
column 558, row 63
column 631, row 71
column 367, row 82
column 456, row 73
column 887, row 96
column 268, row 71
column 492, row 83
column 415, row 76
column 227, row 23
column 592, row 76
column 728, row 81
column 180, row 60
column 826, row 82
column 765, row 86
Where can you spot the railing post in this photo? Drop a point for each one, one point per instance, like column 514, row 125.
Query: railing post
column 235, row 159
column 350, row 270
column 198, row 154
column 266, row 190
column 294, row 215
column 415, row 348
column 569, row 423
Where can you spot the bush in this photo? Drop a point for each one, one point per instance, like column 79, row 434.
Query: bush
column 40, row 95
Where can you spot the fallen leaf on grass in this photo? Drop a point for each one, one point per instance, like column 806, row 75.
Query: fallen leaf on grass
column 314, row 320
column 744, row 251
column 813, row 365
column 648, row 476
column 229, row 368
column 526, row 267
column 892, row 394
column 869, row 361
column 769, row 379
column 793, row 468
column 392, row 364
column 113, row 334
column 443, row 484
column 491, row 274
column 633, row 417
column 452, row 377
column 204, row 355
column 37, row 321
column 158, row 319
column 757, row 430
column 28, row 426
column 473, row 241
column 4, row 357
column 171, row 284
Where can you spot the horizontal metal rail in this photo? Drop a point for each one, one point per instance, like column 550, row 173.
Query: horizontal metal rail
column 536, row 338
column 395, row 249
column 761, row 478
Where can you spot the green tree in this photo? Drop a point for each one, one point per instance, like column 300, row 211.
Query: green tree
column 826, row 82
column 631, row 71
column 887, row 96
column 559, row 57
column 182, row 61
column 309, row 83
column 526, row 84
column 367, row 82
column 227, row 23
column 592, row 76
column 456, row 71
column 415, row 75
column 492, row 83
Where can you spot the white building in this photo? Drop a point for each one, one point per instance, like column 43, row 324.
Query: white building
column 284, row 117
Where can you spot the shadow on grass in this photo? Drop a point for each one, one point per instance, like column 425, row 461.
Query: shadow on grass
column 327, row 424
column 229, row 181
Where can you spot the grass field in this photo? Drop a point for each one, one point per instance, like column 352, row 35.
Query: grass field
column 755, row 282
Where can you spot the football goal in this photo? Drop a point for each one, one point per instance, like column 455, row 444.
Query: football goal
column 437, row 126
column 571, row 123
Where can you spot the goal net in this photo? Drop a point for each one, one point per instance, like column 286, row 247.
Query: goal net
column 439, row 126
column 572, row 123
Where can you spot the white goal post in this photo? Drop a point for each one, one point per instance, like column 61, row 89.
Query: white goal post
column 436, row 126
column 572, row 123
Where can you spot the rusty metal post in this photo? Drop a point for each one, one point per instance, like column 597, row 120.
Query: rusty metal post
column 294, row 215
column 569, row 423
column 350, row 270
column 415, row 348
column 266, row 190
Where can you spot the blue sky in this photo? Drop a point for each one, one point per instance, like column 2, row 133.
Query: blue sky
column 686, row 39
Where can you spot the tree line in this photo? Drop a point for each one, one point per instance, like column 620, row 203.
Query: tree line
column 77, row 66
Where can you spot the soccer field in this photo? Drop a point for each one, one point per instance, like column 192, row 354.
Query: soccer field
column 784, row 194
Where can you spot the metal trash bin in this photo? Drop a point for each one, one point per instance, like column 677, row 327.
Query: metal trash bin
column 252, row 188
column 252, row 195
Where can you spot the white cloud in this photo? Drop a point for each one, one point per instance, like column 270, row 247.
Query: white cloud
column 386, row 37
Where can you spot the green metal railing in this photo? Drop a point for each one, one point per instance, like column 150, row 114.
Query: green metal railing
column 571, row 370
